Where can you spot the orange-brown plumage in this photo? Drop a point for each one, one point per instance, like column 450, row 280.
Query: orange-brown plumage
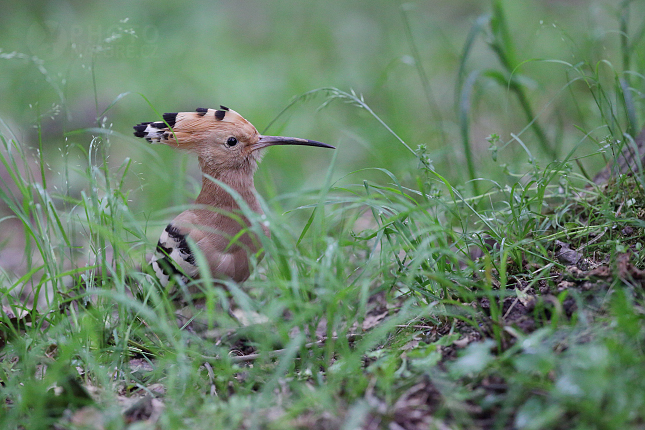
column 228, row 148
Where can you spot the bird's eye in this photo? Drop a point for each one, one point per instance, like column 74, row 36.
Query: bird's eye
column 232, row 141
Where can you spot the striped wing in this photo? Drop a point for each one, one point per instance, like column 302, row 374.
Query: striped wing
column 173, row 257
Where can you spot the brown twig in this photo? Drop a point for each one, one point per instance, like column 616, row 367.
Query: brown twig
column 275, row 353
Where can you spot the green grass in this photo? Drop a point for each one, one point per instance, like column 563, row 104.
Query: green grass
column 417, row 280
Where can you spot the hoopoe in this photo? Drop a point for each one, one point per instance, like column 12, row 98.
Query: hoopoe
column 228, row 148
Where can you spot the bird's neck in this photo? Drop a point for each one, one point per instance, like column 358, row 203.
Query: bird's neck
column 238, row 180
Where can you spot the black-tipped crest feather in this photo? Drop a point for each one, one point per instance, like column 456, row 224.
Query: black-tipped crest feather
column 170, row 118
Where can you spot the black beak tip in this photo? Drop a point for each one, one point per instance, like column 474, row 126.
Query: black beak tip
column 322, row 145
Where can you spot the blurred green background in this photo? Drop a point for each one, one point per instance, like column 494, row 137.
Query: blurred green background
column 64, row 62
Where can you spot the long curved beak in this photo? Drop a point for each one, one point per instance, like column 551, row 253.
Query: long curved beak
column 265, row 141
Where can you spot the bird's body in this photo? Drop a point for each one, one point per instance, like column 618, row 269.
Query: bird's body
column 229, row 149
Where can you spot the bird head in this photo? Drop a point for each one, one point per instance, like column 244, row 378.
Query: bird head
column 221, row 138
